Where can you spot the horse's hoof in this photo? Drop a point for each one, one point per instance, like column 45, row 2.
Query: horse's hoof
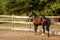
column 42, row 34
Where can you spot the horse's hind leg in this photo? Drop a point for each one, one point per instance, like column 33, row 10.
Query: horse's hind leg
column 47, row 28
column 35, row 28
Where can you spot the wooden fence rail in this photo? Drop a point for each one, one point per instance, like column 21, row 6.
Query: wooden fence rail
column 24, row 17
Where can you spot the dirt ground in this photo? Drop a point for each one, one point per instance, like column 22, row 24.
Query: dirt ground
column 25, row 35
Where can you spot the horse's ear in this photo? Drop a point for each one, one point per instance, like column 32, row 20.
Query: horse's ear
column 29, row 13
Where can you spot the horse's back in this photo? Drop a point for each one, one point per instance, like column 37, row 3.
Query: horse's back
column 40, row 21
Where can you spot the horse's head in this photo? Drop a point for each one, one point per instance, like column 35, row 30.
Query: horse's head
column 32, row 14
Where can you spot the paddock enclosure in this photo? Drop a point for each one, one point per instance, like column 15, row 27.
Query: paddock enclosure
column 19, row 28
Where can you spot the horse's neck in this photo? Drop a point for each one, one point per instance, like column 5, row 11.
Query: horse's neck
column 35, row 17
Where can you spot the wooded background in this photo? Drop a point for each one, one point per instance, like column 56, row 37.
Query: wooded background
column 21, row 7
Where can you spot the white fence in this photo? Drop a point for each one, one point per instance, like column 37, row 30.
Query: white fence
column 24, row 17
column 12, row 19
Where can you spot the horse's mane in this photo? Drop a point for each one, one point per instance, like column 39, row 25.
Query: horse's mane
column 34, row 13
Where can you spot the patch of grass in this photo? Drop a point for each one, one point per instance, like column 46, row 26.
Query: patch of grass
column 2, row 19
column 5, row 24
column 16, row 25
column 10, row 19
column 55, row 26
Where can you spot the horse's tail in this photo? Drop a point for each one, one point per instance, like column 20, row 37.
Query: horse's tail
column 48, row 24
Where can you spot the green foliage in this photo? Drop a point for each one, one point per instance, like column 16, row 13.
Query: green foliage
column 21, row 7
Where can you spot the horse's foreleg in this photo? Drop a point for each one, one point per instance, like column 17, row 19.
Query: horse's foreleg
column 35, row 28
column 43, row 30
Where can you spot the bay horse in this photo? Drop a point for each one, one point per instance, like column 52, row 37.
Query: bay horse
column 45, row 22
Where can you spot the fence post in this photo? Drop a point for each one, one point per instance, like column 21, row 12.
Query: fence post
column 52, row 19
column 29, row 24
column 12, row 20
